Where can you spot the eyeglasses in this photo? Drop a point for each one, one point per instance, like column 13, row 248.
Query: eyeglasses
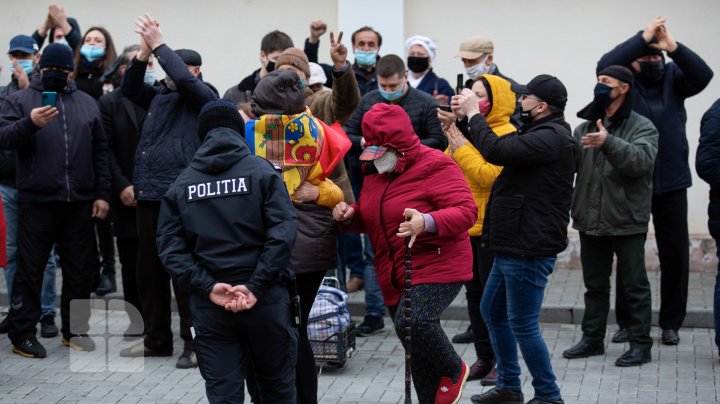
column 524, row 96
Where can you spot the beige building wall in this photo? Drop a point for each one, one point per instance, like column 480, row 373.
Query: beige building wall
column 561, row 37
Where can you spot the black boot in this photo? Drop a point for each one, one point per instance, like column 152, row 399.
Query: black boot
column 106, row 285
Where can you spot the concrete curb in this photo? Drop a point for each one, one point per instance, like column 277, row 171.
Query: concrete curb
column 698, row 318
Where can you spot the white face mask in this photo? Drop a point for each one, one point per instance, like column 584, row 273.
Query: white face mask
column 479, row 69
column 386, row 163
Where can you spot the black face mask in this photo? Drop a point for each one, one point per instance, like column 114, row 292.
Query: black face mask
column 270, row 66
column 652, row 71
column 418, row 64
column 603, row 97
column 54, row 80
column 526, row 116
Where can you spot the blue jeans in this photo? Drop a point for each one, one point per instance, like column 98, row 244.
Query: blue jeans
column 716, row 306
column 511, row 308
column 374, row 305
column 48, row 294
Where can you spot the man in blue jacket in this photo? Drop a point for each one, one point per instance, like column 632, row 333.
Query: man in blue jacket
column 707, row 164
column 63, row 183
column 225, row 232
column 167, row 143
column 659, row 95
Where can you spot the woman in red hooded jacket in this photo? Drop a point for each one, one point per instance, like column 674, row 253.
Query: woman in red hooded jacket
column 411, row 190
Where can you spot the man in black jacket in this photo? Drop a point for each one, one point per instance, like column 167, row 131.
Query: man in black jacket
column 167, row 143
column 526, row 225
column 707, row 164
column 225, row 232
column 24, row 57
column 272, row 45
column 123, row 121
column 63, row 183
column 660, row 93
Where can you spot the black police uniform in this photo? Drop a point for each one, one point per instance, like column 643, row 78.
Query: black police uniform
column 228, row 218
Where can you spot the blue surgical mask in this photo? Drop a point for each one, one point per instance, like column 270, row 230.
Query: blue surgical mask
column 26, row 64
column 365, row 58
column 92, row 52
column 392, row 96
column 150, row 77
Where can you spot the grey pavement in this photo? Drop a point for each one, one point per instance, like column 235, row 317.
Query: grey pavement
column 677, row 374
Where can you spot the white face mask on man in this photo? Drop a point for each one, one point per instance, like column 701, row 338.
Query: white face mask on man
column 479, row 69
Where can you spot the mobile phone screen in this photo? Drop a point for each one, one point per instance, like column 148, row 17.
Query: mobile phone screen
column 49, row 98
column 459, row 83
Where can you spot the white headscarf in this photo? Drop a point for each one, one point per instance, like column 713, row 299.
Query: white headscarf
column 423, row 41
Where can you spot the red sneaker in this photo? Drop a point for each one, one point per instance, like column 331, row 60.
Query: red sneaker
column 449, row 392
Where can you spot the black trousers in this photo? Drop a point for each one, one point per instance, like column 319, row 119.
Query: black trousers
column 671, row 233
column 153, row 284
column 596, row 255
column 226, row 341
column 306, row 380
column 40, row 225
column 128, row 255
column 432, row 354
column 482, row 264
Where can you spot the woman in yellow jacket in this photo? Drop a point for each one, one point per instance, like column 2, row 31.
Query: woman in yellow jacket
column 497, row 103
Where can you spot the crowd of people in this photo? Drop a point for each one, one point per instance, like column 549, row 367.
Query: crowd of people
column 243, row 203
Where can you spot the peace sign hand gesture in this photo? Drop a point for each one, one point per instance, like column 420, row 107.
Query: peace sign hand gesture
column 338, row 51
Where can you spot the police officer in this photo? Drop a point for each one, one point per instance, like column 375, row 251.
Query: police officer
column 226, row 229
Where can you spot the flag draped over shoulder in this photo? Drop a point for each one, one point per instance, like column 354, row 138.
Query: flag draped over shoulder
column 297, row 144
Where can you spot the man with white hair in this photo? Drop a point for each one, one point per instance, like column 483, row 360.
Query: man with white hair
column 421, row 51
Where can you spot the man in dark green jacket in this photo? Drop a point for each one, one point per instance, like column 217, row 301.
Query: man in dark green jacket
column 611, row 210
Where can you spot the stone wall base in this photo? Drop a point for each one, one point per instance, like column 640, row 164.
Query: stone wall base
column 703, row 256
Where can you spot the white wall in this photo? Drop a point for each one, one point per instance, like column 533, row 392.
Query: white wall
column 561, row 37
column 566, row 38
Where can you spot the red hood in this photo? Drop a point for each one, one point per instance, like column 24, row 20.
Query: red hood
column 389, row 125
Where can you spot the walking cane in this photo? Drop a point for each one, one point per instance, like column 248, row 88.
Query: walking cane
column 407, row 311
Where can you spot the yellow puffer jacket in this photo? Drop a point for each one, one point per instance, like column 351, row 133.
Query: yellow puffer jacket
column 480, row 174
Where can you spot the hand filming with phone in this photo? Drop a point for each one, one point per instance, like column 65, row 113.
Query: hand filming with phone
column 48, row 111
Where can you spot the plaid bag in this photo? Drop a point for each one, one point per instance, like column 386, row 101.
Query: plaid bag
column 329, row 314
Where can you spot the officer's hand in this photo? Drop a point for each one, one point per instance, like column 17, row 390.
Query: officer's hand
column 343, row 212
column 306, row 192
column 244, row 299
column 127, row 196
column 222, row 294
column 100, row 209
column 413, row 225
column 595, row 140
column 43, row 115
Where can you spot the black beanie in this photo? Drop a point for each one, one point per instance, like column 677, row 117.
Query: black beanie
column 621, row 73
column 189, row 57
column 57, row 55
column 219, row 113
column 279, row 92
